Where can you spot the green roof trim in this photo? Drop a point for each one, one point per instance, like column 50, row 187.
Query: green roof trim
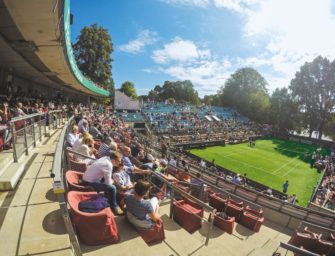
column 74, row 68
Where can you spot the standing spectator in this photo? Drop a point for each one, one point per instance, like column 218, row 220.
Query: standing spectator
column 285, row 187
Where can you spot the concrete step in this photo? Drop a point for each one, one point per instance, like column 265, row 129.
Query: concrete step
column 11, row 176
column 6, row 159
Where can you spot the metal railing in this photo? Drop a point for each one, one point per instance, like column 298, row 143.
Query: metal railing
column 173, row 189
column 58, row 175
column 28, row 130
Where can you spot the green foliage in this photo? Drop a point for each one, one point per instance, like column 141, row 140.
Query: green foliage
column 245, row 90
column 313, row 87
column 92, row 52
column 179, row 90
column 213, row 100
column 128, row 88
column 283, row 111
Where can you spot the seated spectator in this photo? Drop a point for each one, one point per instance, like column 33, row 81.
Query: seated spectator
column 237, row 179
column 5, row 131
column 97, row 135
column 99, row 176
column 83, row 125
column 142, row 213
column 73, row 135
column 105, row 147
column 78, row 141
column 86, row 148
column 150, row 162
column 122, row 179
column 173, row 161
column 292, row 199
column 134, row 172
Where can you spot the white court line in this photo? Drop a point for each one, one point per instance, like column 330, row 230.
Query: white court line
column 283, row 166
column 253, row 167
column 250, row 149
column 290, row 170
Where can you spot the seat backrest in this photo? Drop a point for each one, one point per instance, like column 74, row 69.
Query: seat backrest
column 73, row 177
column 77, row 166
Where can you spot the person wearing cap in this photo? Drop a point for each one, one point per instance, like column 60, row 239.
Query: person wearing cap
column 99, row 176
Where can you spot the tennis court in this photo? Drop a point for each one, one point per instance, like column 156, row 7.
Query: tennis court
column 271, row 162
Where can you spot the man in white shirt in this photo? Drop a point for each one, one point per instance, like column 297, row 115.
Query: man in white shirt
column 100, row 170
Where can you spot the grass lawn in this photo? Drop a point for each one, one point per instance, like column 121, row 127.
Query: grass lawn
column 271, row 162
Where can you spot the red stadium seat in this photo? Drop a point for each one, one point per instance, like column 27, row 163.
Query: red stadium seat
column 254, row 212
column 77, row 166
column 251, row 221
column 234, row 211
column 1, row 144
column 306, row 241
column 187, row 216
column 73, row 179
column 216, row 201
column 225, row 225
column 92, row 228
column 153, row 235
column 172, row 171
column 323, row 247
column 234, row 202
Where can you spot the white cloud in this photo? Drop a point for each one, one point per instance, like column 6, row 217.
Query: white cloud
column 144, row 38
column 179, row 50
column 206, row 76
column 233, row 5
column 185, row 60
column 196, row 3
column 295, row 32
column 288, row 33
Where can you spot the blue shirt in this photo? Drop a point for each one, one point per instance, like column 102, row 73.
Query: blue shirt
column 138, row 208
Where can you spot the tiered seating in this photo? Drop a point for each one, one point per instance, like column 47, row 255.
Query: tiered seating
column 77, row 166
column 226, row 225
column 246, row 216
column 188, row 214
column 92, row 228
column 74, row 179
column 314, row 242
column 154, row 234
column 252, row 219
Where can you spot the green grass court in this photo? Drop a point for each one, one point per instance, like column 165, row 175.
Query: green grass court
column 271, row 162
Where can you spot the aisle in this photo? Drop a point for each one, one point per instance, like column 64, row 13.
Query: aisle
column 30, row 223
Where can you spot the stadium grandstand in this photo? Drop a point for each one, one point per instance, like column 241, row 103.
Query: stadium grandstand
column 82, row 177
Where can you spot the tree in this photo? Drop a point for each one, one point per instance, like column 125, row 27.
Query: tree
column 283, row 113
column 128, row 89
column 92, row 52
column 179, row 90
column 313, row 87
column 246, row 91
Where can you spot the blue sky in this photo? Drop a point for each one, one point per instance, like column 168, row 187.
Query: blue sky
column 205, row 41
